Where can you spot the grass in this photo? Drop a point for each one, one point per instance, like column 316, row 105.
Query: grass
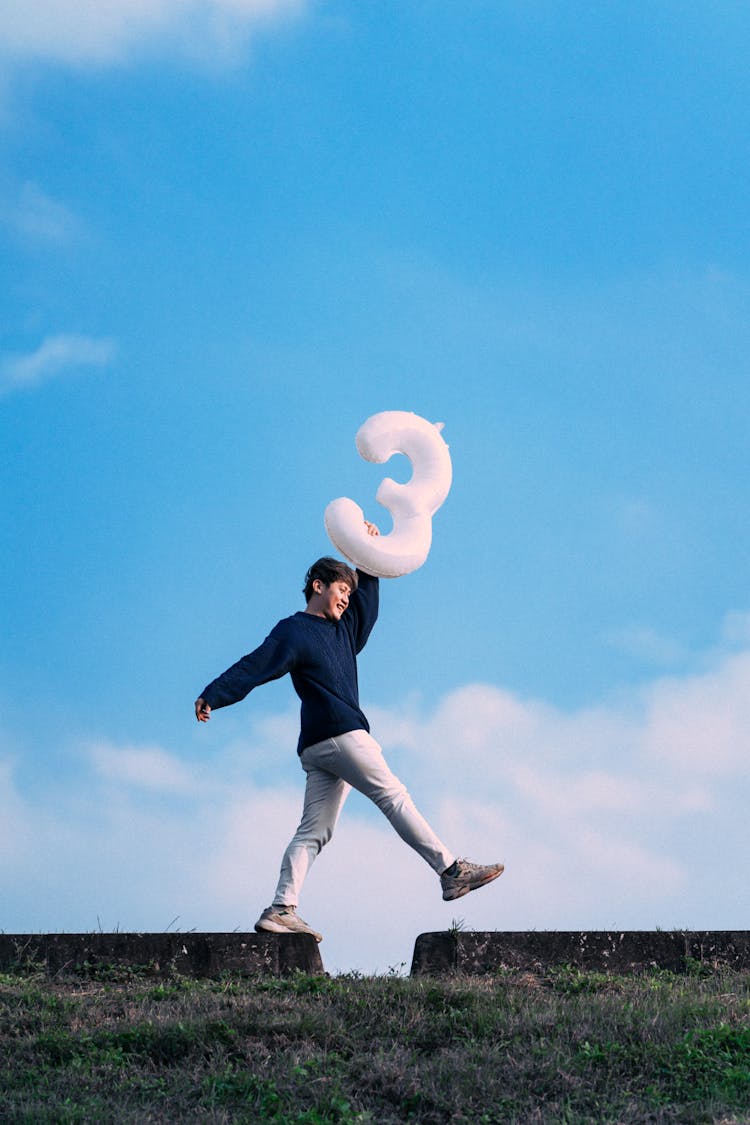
column 564, row 1047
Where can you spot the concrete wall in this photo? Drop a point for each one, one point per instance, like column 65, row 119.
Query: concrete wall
column 191, row 954
column 618, row 951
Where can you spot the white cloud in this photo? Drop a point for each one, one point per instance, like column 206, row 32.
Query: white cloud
column 701, row 723
column 109, row 31
column 592, row 791
column 143, row 767
column 636, row 517
column 610, row 817
column 636, row 869
column 735, row 631
column 36, row 217
column 55, row 356
column 649, row 645
column 14, row 836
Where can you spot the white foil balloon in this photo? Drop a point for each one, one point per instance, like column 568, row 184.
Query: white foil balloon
column 412, row 505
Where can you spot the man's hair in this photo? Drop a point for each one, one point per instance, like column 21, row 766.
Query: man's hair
column 329, row 570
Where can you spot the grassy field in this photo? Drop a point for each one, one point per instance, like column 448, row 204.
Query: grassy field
column 564, row 1046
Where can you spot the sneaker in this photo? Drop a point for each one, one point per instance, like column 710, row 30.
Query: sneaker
column 467, row 877
column 284, row 920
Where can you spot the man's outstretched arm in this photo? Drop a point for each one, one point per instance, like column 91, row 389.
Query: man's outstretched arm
column 269, row 661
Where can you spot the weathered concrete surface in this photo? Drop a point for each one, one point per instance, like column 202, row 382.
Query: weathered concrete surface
column 621, row 951
column 191, row 954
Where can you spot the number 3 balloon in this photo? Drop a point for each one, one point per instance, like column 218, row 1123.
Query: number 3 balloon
column 412, row 505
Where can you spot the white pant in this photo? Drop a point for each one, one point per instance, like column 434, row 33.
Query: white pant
column 334, row 767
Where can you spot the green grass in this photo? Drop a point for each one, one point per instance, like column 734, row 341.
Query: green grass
column 565, row 1047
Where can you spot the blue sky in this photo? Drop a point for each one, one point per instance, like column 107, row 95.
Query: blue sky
column 229, row 233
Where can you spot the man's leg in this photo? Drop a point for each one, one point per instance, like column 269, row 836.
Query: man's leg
column 357, row 759
column 325, row 794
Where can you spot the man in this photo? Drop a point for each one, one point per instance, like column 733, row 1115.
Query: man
column 318, row 647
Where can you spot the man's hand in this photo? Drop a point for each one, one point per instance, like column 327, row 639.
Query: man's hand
column 202, row 710
column 372, row 529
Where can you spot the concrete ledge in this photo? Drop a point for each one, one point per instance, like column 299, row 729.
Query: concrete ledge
column 200, row 955
column 442, row 953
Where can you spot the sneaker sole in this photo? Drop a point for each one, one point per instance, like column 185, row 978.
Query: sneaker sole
column 266, row 926
column 461, row 891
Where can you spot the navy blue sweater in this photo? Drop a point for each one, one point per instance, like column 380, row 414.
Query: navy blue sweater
column 321, row 657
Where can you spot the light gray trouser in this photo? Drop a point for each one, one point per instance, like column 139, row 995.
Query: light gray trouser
column 335, row 767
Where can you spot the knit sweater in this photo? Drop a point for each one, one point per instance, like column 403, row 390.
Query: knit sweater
column 321, row 657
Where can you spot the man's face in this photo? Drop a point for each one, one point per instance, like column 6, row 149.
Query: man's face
column 333, row 599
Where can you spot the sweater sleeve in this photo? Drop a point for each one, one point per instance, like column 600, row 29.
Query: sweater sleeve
column 271, row 660
column 363, row 607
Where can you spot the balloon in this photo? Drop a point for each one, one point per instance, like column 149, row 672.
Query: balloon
column 412, row 505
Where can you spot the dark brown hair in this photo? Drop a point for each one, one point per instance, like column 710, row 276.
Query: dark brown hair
column 329, row 570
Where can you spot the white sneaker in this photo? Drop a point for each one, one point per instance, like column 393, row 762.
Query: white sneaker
column 284, row 920
column 468, row 877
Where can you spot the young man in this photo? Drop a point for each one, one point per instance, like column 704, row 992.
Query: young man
column 319, row 647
